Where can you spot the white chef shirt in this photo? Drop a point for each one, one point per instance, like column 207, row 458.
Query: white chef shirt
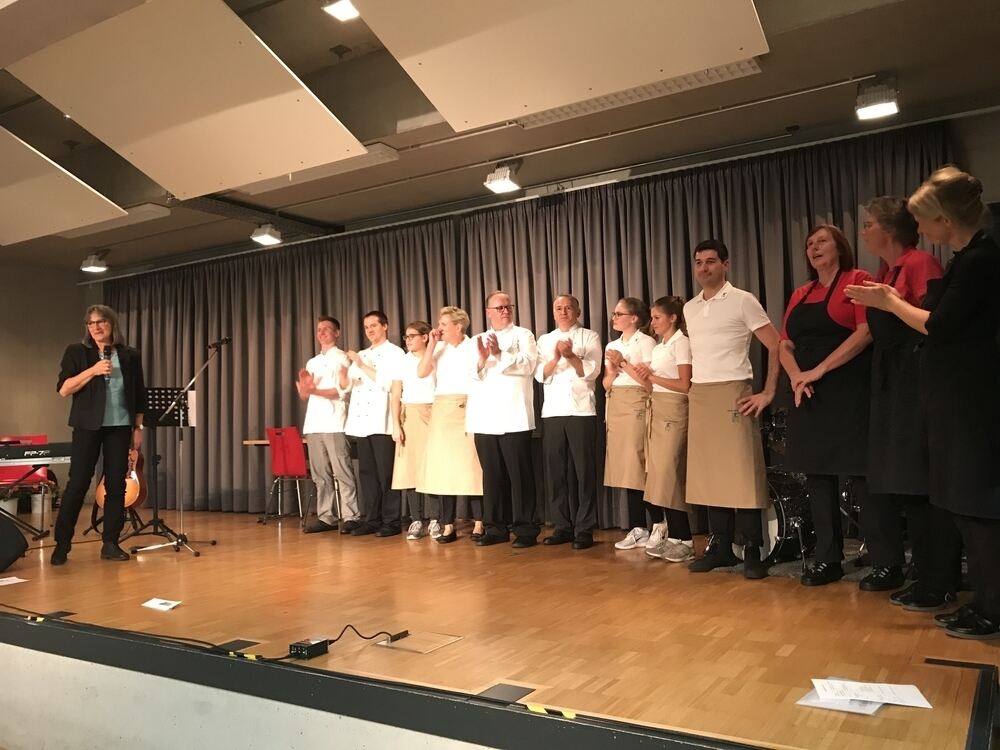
column 667, row 355
column 368, row 413
column 324, row 414
column 453, row 367
column 566, row 393
column 720, row 330
column 416, row 390
column 636, row 350
column 501, row 395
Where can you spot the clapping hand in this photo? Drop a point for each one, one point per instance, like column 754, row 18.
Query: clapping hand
column 354, row 357
column 564, row 349
column 871, row 294
column 494, row 345
column 642, row 372
column 615, row 360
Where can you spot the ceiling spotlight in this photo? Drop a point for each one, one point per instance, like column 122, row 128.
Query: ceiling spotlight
column 266, row 234
column 501, row 179
column 94, row 263
column 877, row 98
column 342, row 10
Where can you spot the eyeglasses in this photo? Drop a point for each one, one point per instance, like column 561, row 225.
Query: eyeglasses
column 615, row 315
column 413, row 336
column 99, row 322
column 503, row 308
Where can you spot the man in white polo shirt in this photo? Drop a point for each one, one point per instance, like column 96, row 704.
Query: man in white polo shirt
column 725, row 468
column 569, row 361
column 500, row 413
column 369, row 421
column 329, row 452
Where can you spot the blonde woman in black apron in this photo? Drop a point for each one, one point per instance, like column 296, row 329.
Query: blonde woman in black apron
column 825, row 351
column 625, row 417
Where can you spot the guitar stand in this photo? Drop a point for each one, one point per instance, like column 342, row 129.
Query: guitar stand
column 132, row 518
column 35, row 532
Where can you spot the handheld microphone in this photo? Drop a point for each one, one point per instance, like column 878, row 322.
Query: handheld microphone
column 106, row 355
column 220, row 343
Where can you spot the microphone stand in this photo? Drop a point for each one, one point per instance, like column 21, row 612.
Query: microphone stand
column 181, row 539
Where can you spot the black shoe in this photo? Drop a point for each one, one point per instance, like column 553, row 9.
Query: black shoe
column 111, row 551
column 821, row 574
column 975, row 627
column 59, row 555
column 922, row 600
column 945, row 619
column 560, row 536
column 447, row 538
column 520, row 542
column 902, row 595
column 364, row 530
column 476, row 536
column 583, row 541
column 348, row 527
column 882, row 579
column 716, row 556
column 487, row 539
column 753, row 567
column 317, row 526
column 388, row 531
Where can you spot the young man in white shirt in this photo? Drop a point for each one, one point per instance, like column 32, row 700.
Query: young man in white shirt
column 500, row 413
column 569, row 361
column 369, row 421
column 725, row 468
column 329, row 451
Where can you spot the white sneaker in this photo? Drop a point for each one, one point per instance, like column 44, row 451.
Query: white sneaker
column 637, row 537
column 657, row 550
column 658, row 535
column 674, row 550
column 435, row 530
column 415, row 531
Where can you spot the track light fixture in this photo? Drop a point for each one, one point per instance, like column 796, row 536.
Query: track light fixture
column 266, row 234
column 877, row 98
column 95, row 263
column 342, row 10
column 501, row 179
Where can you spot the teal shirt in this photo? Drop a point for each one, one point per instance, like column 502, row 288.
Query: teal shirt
column 115, row 410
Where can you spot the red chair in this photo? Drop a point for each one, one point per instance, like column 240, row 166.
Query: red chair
column 14, row 476
column 288, row 463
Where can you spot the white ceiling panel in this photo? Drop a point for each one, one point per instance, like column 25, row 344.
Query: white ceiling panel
column 487, row 62
column 189, row 95
column 39, row 198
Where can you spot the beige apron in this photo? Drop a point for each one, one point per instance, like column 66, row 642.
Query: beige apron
column 725, row 465
column 625, row 421
column 451, row 464
column 666, row 450
column 415, row 419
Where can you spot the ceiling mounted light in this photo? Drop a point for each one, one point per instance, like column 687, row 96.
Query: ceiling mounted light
column 266, row 234
column 877, row 98
column 501, row 179
column 342, row 10
column 94, row 263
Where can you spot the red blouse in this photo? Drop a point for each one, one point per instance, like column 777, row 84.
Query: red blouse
column 916, row 269
column 841, row 309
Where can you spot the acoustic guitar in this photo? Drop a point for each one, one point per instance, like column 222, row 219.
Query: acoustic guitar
column 135, row 482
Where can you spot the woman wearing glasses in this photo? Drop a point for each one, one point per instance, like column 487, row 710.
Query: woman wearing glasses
column 410, row 398
column 625, row 417
column 104, row 377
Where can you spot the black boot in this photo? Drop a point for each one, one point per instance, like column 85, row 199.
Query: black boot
column 753, row 566
column 718, row 555
column 111, row 551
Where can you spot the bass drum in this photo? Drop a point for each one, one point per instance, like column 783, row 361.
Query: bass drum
column 785, row 519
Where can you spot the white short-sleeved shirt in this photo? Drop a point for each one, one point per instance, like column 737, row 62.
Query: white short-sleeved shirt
column 720, row 330
column 324, row 414
column 566, row 393
column 453, row 365
column 667, row 356
column 368, row 413
column 416, row 390
column 637, row 350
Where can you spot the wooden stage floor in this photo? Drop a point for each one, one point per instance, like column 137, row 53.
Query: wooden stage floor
column 604, row 633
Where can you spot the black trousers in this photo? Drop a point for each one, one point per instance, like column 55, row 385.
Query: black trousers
column 446, row 508
column 824, row 504
column 637, row 510
column 508, row 484
column 418, row 505
column 725, row 522
column 982, row 551
column 570, row 449
column 678, row 525
column 112, row 443
column 935, row 542
column 381, row 505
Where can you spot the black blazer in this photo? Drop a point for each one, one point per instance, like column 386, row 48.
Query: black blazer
column 87, row 411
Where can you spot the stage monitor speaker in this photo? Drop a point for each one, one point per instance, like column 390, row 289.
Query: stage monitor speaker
column 12, row 544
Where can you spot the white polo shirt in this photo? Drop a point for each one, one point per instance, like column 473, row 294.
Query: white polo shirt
column 667, row 356
column 416, row 390
column 720, row 329
column 453, row 365
column 501, row 395
column 566, row 393
column 324, row 414
column 369, row 413
column 637, row 350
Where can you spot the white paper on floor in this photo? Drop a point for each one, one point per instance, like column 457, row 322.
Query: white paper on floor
column 10, row 581
column 163, row 605
column 873, row 692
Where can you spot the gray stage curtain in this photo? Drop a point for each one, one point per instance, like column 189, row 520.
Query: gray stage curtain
column 626, row 239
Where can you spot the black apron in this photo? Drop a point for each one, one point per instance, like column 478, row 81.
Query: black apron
column 897, row 447
column 828, row 433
